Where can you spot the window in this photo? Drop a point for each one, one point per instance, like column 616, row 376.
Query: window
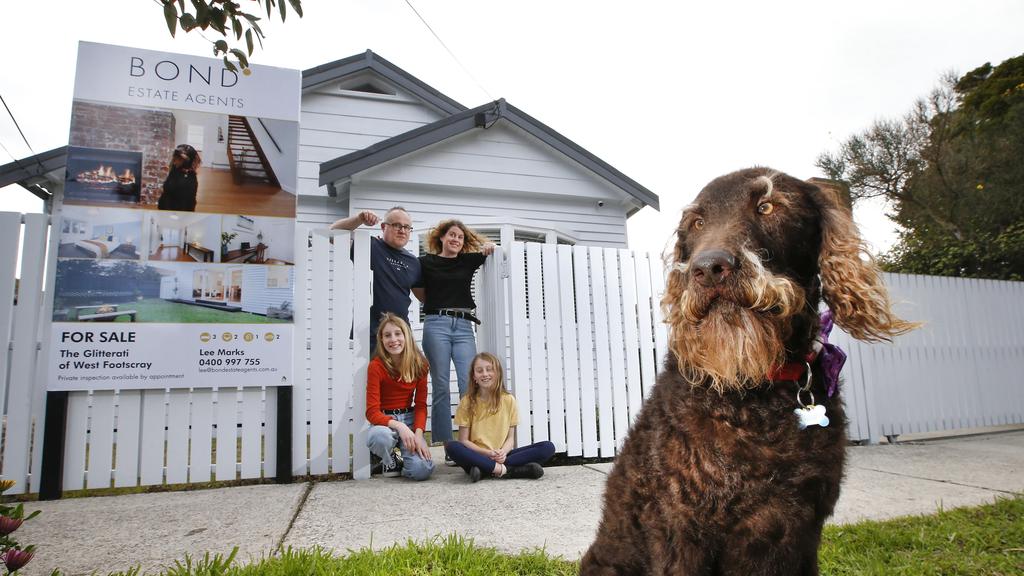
column 277, row 276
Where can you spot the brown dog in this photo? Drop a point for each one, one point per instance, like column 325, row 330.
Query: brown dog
column 726, row 471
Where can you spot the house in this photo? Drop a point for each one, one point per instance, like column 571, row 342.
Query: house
column 372, row 136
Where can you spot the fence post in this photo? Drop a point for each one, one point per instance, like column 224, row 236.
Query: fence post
column 284, row 434
column 55, row 427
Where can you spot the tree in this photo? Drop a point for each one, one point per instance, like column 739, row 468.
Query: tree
column 224, row 16
column 950, row 170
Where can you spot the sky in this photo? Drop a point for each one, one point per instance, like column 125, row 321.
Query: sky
column 673, row 94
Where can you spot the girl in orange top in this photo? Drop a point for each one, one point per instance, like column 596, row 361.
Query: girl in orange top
column 396, row 401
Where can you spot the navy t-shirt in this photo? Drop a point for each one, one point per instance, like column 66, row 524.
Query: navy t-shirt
column 394, row 273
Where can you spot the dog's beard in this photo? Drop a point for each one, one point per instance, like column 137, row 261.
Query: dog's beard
column 732, row 337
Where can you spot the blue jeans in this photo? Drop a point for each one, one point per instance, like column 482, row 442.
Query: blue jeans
column 381, row 440
column 446, row 340
column 466, row 457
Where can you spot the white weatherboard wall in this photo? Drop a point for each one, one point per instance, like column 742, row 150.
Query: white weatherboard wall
column 336, row 122
column 501, row 172
column 583, row 339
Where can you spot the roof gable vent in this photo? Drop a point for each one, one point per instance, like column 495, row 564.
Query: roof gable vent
column 367, row 86
column 370, row 88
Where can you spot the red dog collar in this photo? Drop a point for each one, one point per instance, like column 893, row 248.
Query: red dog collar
column 792, row 371
column 788, row 372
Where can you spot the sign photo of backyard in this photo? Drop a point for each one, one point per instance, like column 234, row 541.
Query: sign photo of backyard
column 123, row 156
column 90, row 290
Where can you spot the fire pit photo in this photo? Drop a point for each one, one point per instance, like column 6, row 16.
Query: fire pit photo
column 100, row 175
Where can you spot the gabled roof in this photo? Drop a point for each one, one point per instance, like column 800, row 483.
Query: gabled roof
column 32, row 171
column 481, row 117
column 345, row 67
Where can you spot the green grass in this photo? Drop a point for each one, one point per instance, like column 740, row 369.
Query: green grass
column 157, row 310
column 451, row 555
column 986, row 540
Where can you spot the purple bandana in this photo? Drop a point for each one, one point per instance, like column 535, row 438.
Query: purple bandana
column 830, row 357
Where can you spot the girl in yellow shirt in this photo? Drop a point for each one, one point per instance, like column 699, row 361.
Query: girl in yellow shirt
column 487, row 418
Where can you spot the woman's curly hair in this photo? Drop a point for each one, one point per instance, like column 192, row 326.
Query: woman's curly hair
column 473, row 241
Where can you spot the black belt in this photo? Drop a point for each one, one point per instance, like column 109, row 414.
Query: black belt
column 454, row 314
column 397, row 411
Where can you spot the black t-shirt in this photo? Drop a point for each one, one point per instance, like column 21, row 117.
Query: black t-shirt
column 448, row 281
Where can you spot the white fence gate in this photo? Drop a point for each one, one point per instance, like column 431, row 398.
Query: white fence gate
column 585, row 341
column 580, row 330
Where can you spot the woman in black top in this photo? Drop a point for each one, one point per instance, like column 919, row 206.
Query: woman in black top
column 181, row 184
column 445, row 286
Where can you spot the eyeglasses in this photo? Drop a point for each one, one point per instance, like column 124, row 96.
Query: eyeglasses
column 399, row 227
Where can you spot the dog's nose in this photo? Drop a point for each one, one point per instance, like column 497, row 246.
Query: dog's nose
column 712, row 267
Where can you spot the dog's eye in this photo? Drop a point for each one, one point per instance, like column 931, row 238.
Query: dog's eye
column 765, row 208
column 698, row 223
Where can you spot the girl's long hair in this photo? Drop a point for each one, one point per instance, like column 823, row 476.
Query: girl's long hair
column 492, row 401
column 473, row 241
column 413, row 364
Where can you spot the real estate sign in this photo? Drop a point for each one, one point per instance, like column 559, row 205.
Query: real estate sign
column 175, row 233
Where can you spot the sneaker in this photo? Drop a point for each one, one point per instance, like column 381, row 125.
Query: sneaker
column 376, row 464
column 395, row 469
column 448, row 460
column 532, row 471
column 474, row 475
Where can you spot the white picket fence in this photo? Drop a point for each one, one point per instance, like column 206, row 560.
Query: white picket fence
column 332, row 353
column 579, row 327
column 22, row 394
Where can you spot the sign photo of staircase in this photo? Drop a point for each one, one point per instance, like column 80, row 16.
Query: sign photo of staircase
column 246, row 158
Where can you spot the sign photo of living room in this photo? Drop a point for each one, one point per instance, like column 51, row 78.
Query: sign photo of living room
column 152, row 158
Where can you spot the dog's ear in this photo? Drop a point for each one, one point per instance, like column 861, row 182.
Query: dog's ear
column 850, row 280
column 675, row 266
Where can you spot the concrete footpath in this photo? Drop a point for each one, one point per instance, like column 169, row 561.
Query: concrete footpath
column 559, row 513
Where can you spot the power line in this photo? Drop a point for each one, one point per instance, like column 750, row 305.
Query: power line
column 9, row 113
column 8, row 152
column 450, row 53
column 25, row 169
column 16, row 161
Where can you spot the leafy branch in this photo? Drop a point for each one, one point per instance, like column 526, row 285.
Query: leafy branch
column 226, row 18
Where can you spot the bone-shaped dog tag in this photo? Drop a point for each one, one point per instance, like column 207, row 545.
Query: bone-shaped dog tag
column 811, row 415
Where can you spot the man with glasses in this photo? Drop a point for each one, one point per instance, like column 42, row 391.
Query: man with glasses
column 395, row 269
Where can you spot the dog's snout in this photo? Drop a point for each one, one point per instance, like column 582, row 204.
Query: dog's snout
column 712, row 267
